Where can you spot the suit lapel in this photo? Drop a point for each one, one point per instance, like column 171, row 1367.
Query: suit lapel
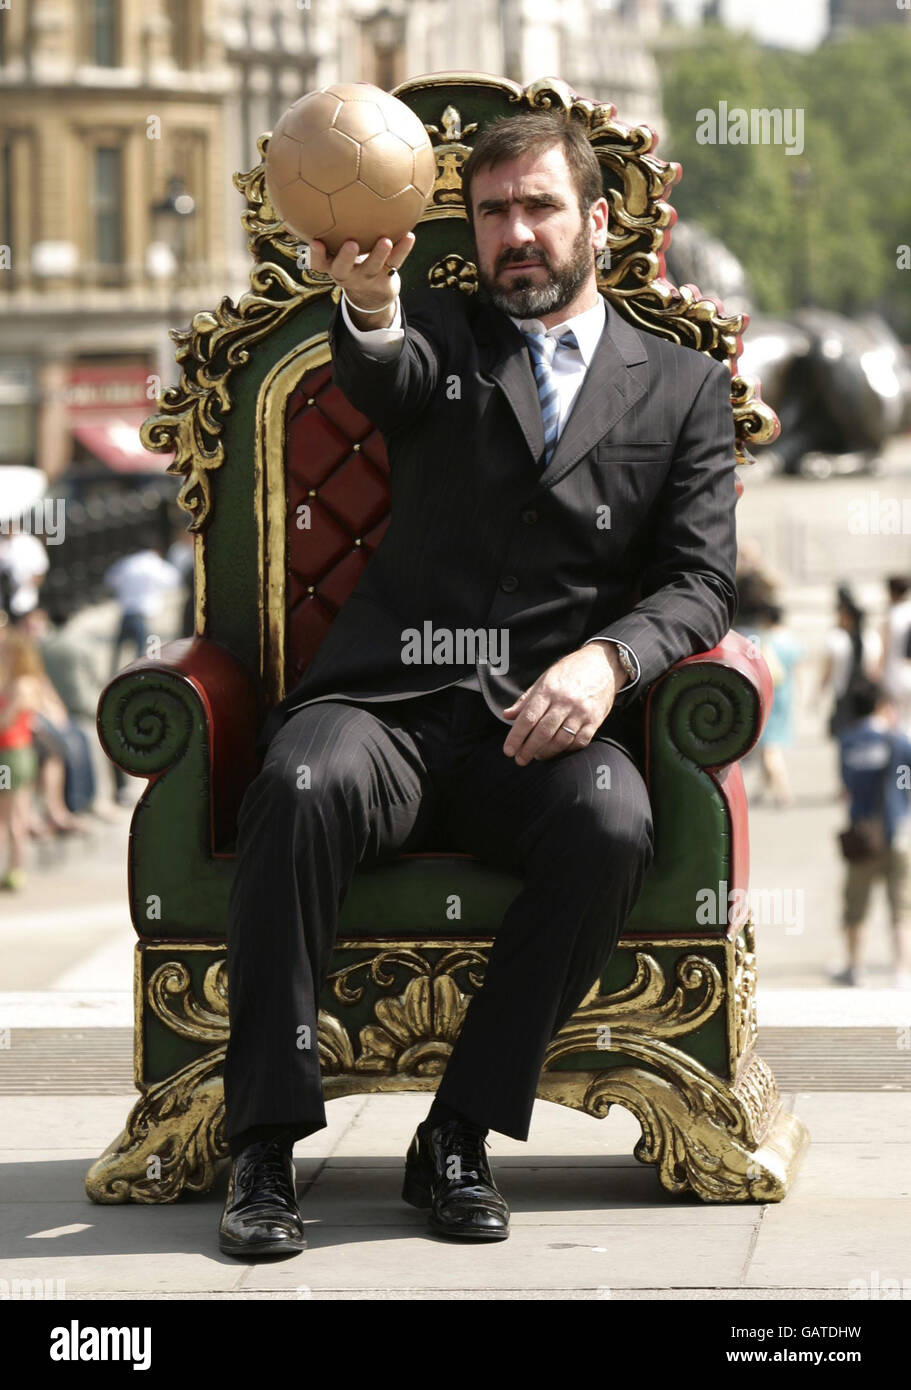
column 612, row 385
column 505, row 361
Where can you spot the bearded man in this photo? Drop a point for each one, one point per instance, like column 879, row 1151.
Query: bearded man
column 562, row 491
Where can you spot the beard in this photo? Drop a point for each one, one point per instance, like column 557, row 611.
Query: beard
column 528, row 297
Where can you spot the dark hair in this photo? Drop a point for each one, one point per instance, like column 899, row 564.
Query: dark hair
column 57, row 614
column 866, row 695
column 898, row 585
column 846, row 604
column 509, row 137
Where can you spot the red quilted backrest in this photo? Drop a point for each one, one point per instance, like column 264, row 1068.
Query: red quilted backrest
column 337, row 480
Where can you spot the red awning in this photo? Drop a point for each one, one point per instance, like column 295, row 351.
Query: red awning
column 114, row 439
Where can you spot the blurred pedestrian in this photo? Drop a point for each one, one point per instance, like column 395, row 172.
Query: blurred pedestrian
column 782, row 652
column 68, row 690
column 74, row 671
column 853, row 656
column 758, row 585
column 23, row 565
column 895, row 670
column 20, row 697
column 139, row 582
column 875, row 757
column 181, row 554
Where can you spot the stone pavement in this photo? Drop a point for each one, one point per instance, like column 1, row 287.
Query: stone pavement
column 589, row 1221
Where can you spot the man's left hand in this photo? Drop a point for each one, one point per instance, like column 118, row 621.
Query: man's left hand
column 566, row 705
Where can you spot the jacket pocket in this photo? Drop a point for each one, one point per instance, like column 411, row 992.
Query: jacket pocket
column 644, row 451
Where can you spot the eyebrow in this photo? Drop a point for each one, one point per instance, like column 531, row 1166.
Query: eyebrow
column 531, row 200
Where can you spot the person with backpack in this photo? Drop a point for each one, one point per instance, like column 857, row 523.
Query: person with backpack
column 875, row 758
column 853, row 658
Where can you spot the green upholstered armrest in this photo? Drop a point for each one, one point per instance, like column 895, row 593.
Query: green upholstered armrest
column 702, row 716
column 146, row 717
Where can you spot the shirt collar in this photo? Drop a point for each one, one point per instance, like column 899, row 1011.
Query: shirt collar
column 587, row 326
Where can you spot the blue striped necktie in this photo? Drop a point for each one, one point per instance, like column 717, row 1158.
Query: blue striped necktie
column 542, row 350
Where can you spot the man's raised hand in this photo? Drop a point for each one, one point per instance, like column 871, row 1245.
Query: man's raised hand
column 370, row 280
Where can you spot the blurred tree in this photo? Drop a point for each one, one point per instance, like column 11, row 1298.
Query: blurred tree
column 822, row 227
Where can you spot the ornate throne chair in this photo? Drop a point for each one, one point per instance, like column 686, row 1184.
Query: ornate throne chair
column 286, row 486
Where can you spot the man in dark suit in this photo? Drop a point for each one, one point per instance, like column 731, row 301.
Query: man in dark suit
column 562, row 532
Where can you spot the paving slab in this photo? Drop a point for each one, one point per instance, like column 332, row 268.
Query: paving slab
column 842, row 1171
column 537, row 1196
column 814, row 1241
column 598, row 1257
column 72, row 1008
column 130, row 1248
column 34, row 1176
column 390, row 1122
column 81, row 1122
column 72, row 1123
column 844, row 1117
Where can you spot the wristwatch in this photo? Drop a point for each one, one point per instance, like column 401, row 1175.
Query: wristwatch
column 626, row 660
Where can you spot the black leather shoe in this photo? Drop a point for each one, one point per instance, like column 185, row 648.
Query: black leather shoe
column 261, row 1216
column 447, row 1173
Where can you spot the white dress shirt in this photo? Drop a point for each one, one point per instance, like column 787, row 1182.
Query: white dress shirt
column 568, row 369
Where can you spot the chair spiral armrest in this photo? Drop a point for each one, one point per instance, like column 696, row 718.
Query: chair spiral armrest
column 149, row 711
column 714, row 704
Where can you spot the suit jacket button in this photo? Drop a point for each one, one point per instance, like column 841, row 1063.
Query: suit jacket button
column 530, row 516
column 509, row 584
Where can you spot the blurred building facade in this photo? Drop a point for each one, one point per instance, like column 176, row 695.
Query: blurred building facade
column 121, row 124
column 111, row 214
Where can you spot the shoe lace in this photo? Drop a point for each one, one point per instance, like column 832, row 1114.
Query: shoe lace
column 467, row 1144
column 267, row 1167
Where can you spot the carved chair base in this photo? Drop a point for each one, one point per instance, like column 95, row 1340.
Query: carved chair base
column 699, row 1133
column 172, row 1141
column 719, row 1134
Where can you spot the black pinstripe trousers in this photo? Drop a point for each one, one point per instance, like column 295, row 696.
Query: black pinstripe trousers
column 347, row 784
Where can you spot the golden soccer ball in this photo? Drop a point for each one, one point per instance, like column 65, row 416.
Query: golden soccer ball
column 349, row 163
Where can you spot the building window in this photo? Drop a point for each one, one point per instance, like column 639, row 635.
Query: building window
column 184, row 17
column 6, row 198
column 385, row 43
column 17, row 205
column 384, row 65
column 107, row 204
column 104, row 36
column 191, row 165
